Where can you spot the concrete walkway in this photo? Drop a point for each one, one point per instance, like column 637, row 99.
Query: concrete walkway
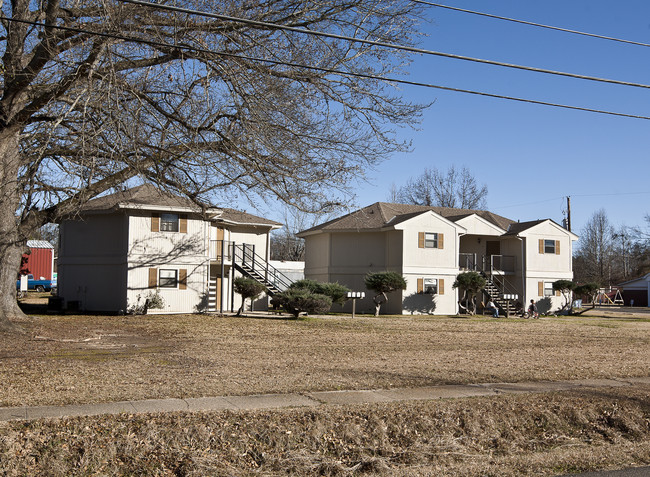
column 308, row 399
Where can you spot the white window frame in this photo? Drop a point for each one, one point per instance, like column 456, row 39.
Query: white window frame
column 173, row 275
column 430, row 240
column 549, row 246
column 430, row 286
column 548, row 289
column 169, row 222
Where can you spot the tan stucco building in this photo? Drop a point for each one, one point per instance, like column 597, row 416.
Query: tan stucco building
column 430, row 246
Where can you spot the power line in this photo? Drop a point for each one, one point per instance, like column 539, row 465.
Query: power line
column 540, row 25
column 324, row 70
column 381, row 43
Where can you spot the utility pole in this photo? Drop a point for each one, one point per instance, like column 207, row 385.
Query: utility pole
column 568, row 213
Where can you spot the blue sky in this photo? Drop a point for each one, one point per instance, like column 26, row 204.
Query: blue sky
column 530, row 156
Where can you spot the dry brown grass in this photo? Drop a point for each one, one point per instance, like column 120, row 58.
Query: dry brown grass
column 66, row 359
column 544, row 434
column 82, row 359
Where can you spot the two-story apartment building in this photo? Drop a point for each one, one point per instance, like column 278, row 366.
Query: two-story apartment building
column 124, row 247
column 430, row 246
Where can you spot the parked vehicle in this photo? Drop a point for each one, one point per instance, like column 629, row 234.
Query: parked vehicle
column 37, row 285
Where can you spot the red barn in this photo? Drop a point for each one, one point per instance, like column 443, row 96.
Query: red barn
column 39, row 261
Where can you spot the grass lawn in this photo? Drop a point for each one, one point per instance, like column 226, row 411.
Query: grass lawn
column 81, row 359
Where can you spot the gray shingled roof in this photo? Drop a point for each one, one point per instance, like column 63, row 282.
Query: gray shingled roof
column 150, row 195
column 382, row 214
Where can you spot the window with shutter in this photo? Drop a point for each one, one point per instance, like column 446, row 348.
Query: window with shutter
column 167, row 278
column 169, row 222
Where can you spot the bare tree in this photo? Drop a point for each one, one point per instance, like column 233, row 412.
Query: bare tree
column 454, row 188
column 593, row 258
column 99, row 93
column 285, row 244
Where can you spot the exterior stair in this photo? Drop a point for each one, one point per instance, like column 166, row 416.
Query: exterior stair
column 494, row 293
column 251, row 265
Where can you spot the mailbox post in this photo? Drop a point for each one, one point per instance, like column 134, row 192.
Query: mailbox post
column 508, row 297
column 354, row 296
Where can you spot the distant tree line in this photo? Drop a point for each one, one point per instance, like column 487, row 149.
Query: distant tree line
column 607, row 255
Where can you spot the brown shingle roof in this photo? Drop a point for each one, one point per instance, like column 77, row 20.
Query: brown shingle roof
column 518, row 227
column 145, row 194
column 381, row 214
column 150, row 195
column 239, row 217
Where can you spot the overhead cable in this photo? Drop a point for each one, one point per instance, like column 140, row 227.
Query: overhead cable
column 382, row 44
column 324, row 70
column 540, row 25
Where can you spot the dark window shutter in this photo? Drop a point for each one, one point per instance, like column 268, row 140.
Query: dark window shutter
column 153, row 277
column 182, row 279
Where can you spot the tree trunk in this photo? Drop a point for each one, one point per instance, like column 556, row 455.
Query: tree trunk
column 241, row 308
column 11, row 241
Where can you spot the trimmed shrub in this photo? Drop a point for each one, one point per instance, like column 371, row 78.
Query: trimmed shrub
column 247, row 288
column 303, row 300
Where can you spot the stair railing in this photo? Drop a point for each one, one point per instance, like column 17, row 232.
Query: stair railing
column 244, row 256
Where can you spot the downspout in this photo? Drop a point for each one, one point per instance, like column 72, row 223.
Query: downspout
column 223, row 271
column 523, row 271
column 457, row 265
column 231, row 278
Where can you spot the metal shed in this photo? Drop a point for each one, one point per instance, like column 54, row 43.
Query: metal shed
column 39, row 261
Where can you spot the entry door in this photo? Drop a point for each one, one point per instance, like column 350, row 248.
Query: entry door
column 492, row 247
column 216, row 242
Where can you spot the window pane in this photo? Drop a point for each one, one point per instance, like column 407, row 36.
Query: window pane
column 431, row 286
column 430, row 240
column 169, row 222
column 549, row 246
column 548, row 289
column 168, row 278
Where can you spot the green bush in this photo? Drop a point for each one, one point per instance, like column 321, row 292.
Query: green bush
column 383, row 283
column 303, row 300
column 247, row 288
column 471, row 283
column 337, row 292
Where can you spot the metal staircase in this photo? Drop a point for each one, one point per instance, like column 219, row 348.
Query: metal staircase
column 251, row 265
column 495, row 292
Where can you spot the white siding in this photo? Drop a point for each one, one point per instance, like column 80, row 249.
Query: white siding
column 546, row 267
column 168, row 250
